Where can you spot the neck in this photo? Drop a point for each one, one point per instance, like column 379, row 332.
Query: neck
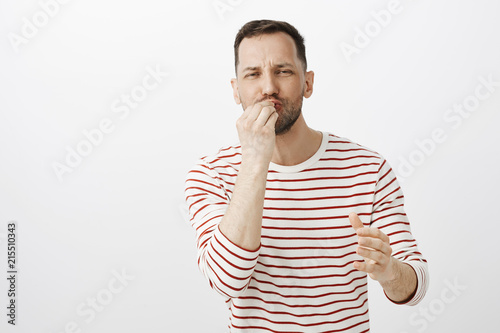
column 297, row 145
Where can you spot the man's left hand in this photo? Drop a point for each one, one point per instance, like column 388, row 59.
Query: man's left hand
column 374, row 247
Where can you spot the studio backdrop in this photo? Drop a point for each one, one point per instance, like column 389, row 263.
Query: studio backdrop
column 105, row 106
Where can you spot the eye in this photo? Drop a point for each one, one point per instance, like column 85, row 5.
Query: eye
column 285, row 72
column 252, row 75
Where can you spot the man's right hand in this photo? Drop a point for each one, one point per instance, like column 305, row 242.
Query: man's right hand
column 242, row 222
column 256, row 132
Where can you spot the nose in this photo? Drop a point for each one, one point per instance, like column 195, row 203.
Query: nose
column 269, row 85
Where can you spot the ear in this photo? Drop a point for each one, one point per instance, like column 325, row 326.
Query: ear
column 309, row 77
column 236, row 95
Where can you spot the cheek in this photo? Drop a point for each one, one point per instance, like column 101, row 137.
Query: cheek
column 294, row 87
column 247, row 97
column 244, row 92
column 243, row 101
column 297, row 95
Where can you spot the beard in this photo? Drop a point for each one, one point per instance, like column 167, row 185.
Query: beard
column 290, row 112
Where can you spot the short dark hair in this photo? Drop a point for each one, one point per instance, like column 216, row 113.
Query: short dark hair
column 261, row 27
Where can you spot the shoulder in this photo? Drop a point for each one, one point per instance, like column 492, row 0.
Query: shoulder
column 214, row 171
column 228, row 155
column 350, row 155
column 225, row 161
column 337, row 145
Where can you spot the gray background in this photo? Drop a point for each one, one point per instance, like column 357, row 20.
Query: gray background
column 120, row 209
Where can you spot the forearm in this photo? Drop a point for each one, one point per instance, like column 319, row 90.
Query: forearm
column 227, row 267
column 404, row 284
column 242, row 221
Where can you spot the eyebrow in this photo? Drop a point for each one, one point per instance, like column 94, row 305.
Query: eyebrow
column 285, row 64
column 280, row 65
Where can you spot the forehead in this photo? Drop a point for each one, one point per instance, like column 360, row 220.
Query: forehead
column 267, row 49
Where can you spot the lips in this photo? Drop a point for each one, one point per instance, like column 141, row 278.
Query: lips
column 277, row 104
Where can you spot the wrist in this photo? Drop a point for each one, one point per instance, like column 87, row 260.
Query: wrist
column 401, row 287
column 393, row 273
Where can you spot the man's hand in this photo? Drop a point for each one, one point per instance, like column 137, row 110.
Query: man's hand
column 256, row 132
column 242, row 222
column 397, row 278
column 375, row 248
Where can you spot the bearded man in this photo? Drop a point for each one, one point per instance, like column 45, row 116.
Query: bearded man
column 291, row 221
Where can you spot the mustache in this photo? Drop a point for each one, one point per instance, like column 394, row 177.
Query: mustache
column 270, row 97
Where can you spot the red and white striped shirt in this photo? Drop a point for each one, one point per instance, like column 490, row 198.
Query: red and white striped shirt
column 302, row 278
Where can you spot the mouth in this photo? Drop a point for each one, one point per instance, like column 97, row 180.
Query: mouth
column 277, row 104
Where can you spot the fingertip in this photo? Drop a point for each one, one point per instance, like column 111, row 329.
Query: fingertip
column 353, row 218
column 357, row 265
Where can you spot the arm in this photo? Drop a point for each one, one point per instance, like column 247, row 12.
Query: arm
column 388, row 247
column 403, row 286
column 397, row 278
column 228, row 231
column 243, row 220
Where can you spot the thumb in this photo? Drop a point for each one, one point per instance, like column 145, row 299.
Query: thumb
column 355, row 221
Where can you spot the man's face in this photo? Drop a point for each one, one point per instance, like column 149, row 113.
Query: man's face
column 269, row 70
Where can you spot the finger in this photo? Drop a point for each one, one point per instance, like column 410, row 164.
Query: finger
column 355, row 221
column 375, row 244
column 374, row 233
column 253, row 111
column 364, row 266
column 372, row 256
column 264, row 115
column 271, row 121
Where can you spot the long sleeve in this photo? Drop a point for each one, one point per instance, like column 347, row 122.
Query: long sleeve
column 389, row 216
column 226, row 266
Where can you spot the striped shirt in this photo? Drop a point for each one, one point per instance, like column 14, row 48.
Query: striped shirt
column 301, row 278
